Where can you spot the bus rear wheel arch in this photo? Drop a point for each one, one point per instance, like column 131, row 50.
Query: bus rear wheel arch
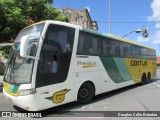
column 86, row 93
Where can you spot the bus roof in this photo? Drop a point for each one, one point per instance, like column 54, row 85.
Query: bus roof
column 115, row 37
column 55, row 22
column 127, row 40
column 92, row 31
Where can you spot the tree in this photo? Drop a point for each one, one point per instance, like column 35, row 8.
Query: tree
column 17, row 14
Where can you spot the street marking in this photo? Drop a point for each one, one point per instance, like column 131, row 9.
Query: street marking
column 157, row 85
column 83, row 107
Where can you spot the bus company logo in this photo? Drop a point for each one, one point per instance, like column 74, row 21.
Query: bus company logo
column 87, row 64
column 138, row 63
column 59, row 96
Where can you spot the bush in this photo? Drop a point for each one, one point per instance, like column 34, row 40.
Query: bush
column 2, row 67
column 4, row 51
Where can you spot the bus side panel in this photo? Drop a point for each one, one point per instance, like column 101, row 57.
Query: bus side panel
column 118, row 74
column 54, row 95
column 87, row 68
column 127, row 69
column 137, row 67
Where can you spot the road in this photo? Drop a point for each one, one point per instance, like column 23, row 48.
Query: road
column 132, row 98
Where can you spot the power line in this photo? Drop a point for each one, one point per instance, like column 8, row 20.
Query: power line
column 154, row 29
column 126, row 22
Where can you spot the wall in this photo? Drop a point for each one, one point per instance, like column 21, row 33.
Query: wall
column 80, row 17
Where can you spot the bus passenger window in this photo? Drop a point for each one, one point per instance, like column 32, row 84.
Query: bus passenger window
column 125, row 50
column 97, row 45
column 136, row 53
column 85, row 44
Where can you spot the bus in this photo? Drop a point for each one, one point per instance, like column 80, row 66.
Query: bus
column 53, row 63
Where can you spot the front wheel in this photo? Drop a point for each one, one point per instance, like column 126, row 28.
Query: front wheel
column 85, row 93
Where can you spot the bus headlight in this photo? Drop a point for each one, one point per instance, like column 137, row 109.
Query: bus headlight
column 26, row 92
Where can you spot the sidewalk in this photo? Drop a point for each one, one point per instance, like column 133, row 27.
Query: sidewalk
column 1, row 85
column 1, row 79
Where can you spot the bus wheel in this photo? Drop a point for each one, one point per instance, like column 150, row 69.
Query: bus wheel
column 149, row 76
column 144, row 79
column 85, row 93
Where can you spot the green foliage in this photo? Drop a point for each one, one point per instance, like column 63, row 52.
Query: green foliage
column 17, row 14
column 4, row 51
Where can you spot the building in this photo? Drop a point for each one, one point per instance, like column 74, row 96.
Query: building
column 80, row 17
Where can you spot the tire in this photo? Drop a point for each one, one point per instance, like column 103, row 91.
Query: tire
column 149, row 76
column 144, row 79
column 85, row 93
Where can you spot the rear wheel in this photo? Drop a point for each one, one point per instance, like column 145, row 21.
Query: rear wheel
column 149, row 76
column 143, row 79
column 85, row 93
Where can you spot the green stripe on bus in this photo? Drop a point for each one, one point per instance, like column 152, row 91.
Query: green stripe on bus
column 123, row 69
column 13, row 89
column 116, row 69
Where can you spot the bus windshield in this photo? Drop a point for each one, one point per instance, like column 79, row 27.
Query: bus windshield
column 34, row 30
column 18, row 68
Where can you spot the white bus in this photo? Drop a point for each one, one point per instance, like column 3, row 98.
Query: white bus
column 52, row 63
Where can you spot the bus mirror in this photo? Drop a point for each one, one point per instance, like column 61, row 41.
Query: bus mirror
column 24, row 46
column 28, row 46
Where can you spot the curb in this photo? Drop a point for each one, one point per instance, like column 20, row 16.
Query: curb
column 1, row 79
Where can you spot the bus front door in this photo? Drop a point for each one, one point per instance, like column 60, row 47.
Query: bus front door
column 52, row 86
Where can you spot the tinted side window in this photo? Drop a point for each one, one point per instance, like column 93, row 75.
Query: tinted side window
column 143, row 53
column 85, row 44
column 55, row 57
column 136, row 52
column 150, row 54
column 110, row 47
column 99, row 47
column 125, row 50
column 89, row 44
column 153, row 54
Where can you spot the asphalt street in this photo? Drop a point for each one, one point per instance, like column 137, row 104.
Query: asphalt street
column 143, row 98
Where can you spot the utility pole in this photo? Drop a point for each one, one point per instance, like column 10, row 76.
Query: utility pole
column 109, row 15
column 67, row 3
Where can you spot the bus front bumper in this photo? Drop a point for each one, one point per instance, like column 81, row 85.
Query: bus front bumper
column 25, row 102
